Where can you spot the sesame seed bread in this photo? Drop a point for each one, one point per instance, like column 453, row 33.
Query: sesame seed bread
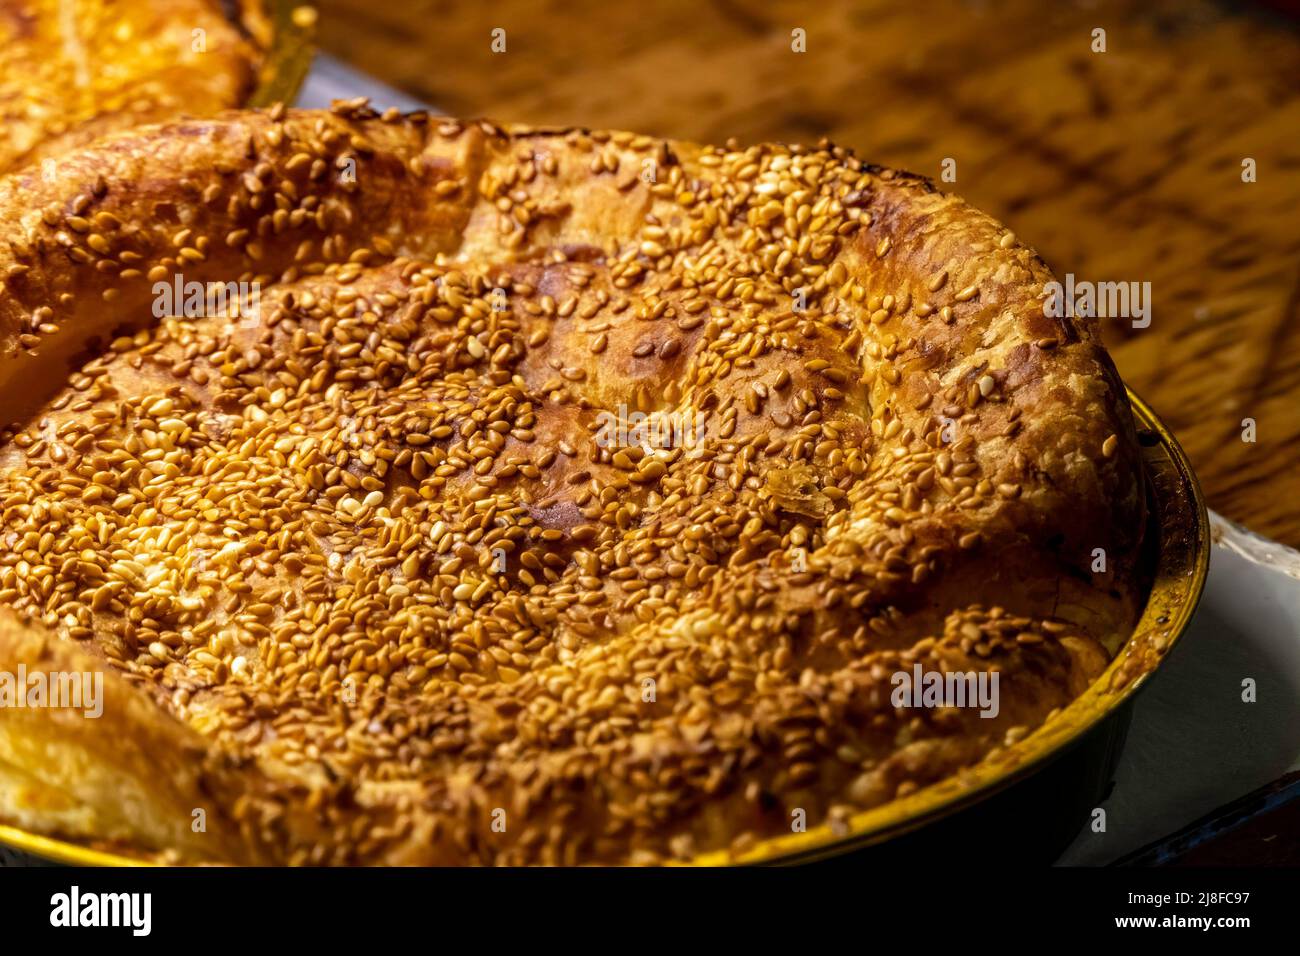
column 377, row 582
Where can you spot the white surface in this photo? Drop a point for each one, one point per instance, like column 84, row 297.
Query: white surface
column 1194, row 745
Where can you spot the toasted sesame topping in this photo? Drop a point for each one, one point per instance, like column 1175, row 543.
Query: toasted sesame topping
column 621, row 528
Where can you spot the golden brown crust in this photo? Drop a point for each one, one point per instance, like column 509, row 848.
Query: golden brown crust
column 72, row 71
column 290, row 531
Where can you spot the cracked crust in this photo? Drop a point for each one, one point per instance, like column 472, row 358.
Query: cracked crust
column 901, row 461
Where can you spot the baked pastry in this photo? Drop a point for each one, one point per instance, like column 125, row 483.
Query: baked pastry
column 73, row 70
column 391, row 570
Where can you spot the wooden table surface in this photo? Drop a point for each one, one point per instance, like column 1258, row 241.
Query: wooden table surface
column 1117, row 166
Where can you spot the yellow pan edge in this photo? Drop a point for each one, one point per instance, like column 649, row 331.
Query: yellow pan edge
column 61, row 851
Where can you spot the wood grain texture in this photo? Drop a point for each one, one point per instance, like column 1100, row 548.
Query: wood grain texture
column 1116, row 166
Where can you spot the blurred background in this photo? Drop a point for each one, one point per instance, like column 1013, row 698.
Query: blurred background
column 1117, row 166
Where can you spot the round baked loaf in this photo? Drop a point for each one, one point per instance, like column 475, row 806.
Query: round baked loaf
column 543, row 496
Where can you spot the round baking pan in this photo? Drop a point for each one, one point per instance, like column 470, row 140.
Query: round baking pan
column 1023, row 804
